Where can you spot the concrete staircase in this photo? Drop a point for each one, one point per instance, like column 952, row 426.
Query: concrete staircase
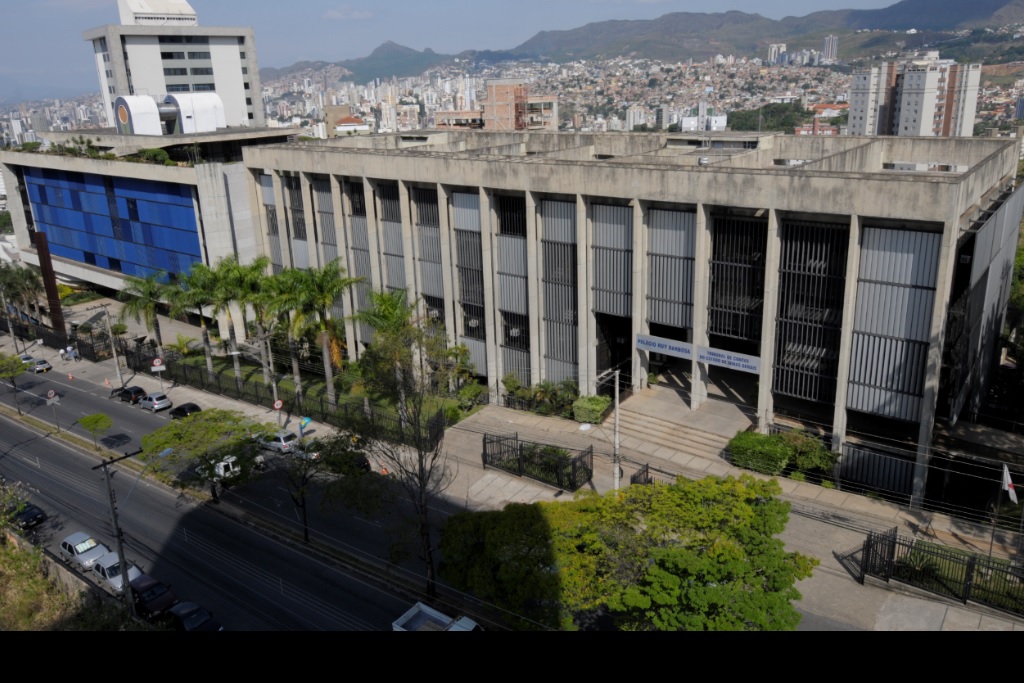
column 659, row 417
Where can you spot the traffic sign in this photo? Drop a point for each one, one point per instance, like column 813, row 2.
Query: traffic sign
column 51, row 393
column 278, row 404
column 157, row 362
column 157, row 368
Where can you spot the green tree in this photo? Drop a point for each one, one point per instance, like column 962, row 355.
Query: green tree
column 312, row 294
column 10, row 368
column 694, row 555
column 226, row 294
column 258, row 291
column 142, row 298
column 6, row 224
column 407, row 362
column 195, row 293
column 202, row 440
column 96, row 425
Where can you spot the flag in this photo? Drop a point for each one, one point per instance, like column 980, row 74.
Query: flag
column 1008, row 484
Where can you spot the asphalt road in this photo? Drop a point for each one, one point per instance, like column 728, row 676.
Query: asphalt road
column 249, row 581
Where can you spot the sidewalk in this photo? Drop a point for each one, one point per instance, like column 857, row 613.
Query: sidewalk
column 824, row 523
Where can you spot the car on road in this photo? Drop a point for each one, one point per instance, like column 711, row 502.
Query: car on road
column 282, row 441
column 41, row 365
column 184, row 410
column 155, row 402
column 152, row 597
column 25, row 515
column 82, row 549
column 188, row 616
column 132, row 394
column 27, row 359
column 107, row 572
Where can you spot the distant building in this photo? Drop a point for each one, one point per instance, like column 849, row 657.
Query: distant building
column 776, row 53
column 816, row 128
column 919, row 95
column 1019, row 111
column 159, row 50
column 830, row 48
column 509, row 107
column 351, row 125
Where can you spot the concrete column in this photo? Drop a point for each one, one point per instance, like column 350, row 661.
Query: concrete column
column 933, row 371
column 533, row 273
column 701, row 299
column 585, row 305
column 259, row 215
column 341, row 205
column 373, row 212
column 409, row 247
column 488, row 256
column 452, row 319
column 765, row 405
column 846, row 335
column 316, row 257
column 640, row 283
column 283, row 221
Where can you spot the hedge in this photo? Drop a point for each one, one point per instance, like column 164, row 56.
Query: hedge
column 760, row 453
column 590, row 408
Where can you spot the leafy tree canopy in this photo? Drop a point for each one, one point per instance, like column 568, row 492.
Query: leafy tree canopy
column 695, row 555
column 202, row 439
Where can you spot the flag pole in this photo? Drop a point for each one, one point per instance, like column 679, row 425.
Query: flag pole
column 993, row 540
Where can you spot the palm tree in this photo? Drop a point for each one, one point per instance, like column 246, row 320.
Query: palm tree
column 29, row 285
column 391, row 315
column 279, row 309
column 142, row 297
column 195, row 292
column 257, row 292
column 226, row 292
column 8, row 292
column 313, row 294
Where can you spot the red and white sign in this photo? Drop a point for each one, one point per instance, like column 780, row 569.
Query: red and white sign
column 278, row 404
column 1008, row 484
column 51, row 393
column 157, row 362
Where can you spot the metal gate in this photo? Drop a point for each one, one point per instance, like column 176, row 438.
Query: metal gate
column 502, row 452
column 879, row 555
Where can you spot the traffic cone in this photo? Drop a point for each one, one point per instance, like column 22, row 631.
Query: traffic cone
column 106, row 382
column 70, row 376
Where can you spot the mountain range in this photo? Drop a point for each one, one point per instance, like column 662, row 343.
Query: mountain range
column 684, row 35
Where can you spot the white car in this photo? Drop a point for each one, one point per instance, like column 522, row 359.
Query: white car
column 82, row 549
column 107, row 572
column 155, row 402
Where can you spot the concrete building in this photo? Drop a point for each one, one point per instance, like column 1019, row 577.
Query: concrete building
column 510, row 107
column 830, row 49
column 919, row 95
column 806, row 279
column 808, row 276
column 159, row 49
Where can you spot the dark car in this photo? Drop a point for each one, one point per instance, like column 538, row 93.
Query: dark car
column 132, row 394
column 184, row 410
column 152, row 598
column 188, row 616
column 26, row 515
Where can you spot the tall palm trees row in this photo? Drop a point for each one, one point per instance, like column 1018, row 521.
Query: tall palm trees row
column 20, row 287
column 297, row 300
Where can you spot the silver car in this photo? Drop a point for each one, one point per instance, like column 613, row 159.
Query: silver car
column 282, row 441
column 82, row 549
column 155, row 402
column 107, row 572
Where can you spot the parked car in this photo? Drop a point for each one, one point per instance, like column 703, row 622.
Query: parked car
column 184, row 410
column 25, row 515
column 41, row 365
column 282, row 441
column 152, row 598
column 82, row 549
column 188, row 616
column 132, row 394
column 27, row 359
column 107, row 572
column 155, row 402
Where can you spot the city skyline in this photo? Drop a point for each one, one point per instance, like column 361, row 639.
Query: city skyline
column 55, row 60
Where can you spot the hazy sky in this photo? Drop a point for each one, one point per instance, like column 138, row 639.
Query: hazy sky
column 44, row 54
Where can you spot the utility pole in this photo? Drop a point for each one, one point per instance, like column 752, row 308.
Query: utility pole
column 129, row 598
column 615, row 453
column 113, row 346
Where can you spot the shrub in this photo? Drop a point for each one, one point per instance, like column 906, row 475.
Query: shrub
column 85, row 328
column 452, row 414
column 469, row 395
column 759, row 452
column 590, row 408
column 798, row 476
column 117, row 329
column 511, row 383
column 829, row 484
column 808, row 453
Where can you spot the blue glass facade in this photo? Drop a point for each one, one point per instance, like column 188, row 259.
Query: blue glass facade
column 130, row 226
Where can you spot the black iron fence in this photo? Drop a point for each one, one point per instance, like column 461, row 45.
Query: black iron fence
column 552, row 465
column 349, row 413
column 93, row 346
column 990, row 581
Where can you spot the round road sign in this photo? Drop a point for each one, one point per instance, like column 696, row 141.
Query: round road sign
column 157, row 362
column 278, row 404
column 51, row 394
